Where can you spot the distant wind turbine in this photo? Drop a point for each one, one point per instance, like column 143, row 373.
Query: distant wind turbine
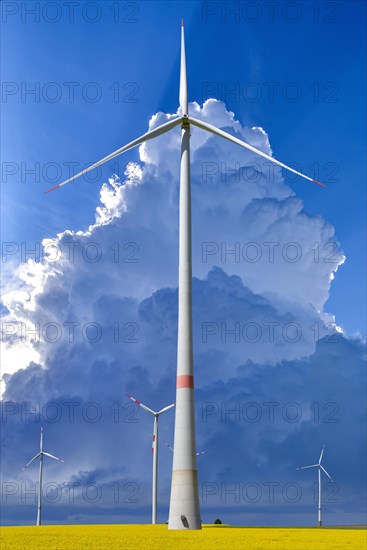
column 184, row 512
column 41, row 454
column 171, row 449
column 154, row 451
column 319, row 468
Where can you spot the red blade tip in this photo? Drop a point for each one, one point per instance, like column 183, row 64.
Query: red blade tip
column 182, row 23
column 319, row 183
column 52, row 189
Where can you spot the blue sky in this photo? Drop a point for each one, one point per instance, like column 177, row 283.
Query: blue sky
column 314, row 64
column 326, row 56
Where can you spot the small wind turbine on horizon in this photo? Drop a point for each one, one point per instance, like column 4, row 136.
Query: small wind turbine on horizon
column 184, row 511
column 154, row 451
column 319, row 468
column 41, row 454
column 171, row 449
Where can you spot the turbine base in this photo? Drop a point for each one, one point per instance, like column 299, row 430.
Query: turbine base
column 184, row 505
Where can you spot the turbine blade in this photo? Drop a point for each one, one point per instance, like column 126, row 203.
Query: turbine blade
column 52, row 456
column 183, row 77
column 148, row 135
column 325, row 472
column 166, row 408
column 304, row 467
column 201, row 453
column 41, row 440
column 30, row 462
column 322, row 452
column 221, row 133
column 141, row 404
column 169, row 446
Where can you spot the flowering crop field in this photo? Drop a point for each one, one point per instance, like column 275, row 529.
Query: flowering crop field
column 141, row 537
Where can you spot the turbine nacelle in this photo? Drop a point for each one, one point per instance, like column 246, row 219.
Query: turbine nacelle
column 155, row 413
column 42, row 453
column 318, row 465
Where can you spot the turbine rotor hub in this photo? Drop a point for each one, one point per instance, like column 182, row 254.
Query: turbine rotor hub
column 185, row 121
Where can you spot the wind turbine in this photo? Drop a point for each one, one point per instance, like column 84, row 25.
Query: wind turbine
column 197, row 454
column 184, row 510
column 41, row 454
column 154, row 451
column 319, row 468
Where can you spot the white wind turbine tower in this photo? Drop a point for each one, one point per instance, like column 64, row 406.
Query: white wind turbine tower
column 154, row 451
column 319, row 468
column 41, row 454
column 184, row 510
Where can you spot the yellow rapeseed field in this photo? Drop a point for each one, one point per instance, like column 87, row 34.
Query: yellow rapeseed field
column 149, row 537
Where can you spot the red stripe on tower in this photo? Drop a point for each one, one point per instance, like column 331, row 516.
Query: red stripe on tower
column 185, row 381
